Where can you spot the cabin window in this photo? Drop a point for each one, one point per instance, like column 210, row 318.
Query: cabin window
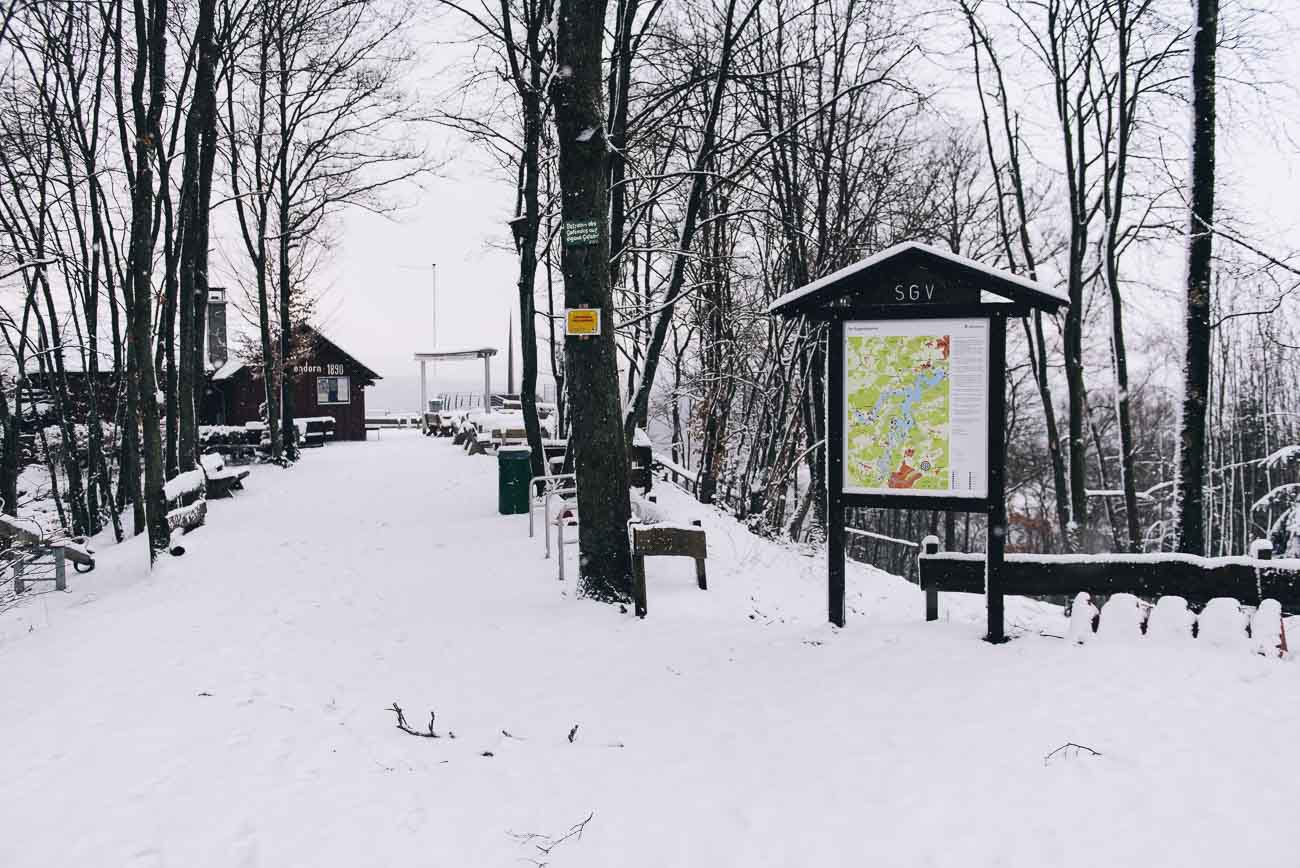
column 332, row 390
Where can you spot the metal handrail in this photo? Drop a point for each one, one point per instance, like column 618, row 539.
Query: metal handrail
column 549, row 482
column 546, row 522
column 561, row 542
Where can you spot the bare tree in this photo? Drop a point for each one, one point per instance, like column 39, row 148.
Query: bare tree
column 591, row 365
column 1200, row 269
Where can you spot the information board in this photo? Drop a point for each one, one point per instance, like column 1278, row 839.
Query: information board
column 916, row 407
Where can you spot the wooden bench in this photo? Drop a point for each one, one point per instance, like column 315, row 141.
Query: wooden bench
column 28, row 546
column 221, row 481
column 234, row 453
column 665, row 541
column 509, row 436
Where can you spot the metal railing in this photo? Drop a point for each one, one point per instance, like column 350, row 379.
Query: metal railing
column 561, row 542
column 551, row 487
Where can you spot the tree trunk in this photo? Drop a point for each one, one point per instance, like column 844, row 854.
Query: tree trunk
column 194, row 217
column 1196, row 368
column 284, row 205
column 151, row 42
column 532, row 106
column 9, row 429
column 598, row 447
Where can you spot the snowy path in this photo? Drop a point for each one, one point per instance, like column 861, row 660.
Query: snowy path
column 378, row 572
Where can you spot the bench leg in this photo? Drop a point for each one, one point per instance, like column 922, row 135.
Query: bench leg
column 60, row 570
column 638, row 585
column 701, row 578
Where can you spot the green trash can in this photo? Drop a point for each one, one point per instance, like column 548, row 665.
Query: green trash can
column 514, row 469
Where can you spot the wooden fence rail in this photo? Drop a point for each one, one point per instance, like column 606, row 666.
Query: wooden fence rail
column 676, row 474
column 1198, row 580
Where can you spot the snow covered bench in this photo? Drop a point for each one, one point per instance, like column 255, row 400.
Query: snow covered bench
column 221, row 481
column 315, row 430
column 480, row 443
column 27, row 544
column 665, row 540
column 187, row 505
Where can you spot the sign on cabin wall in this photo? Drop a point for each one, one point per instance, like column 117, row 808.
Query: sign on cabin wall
column 328, row 370
column 916, row 407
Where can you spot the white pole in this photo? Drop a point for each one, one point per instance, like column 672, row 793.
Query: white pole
column 424, row 395
column 487, row 383
column 434, row 269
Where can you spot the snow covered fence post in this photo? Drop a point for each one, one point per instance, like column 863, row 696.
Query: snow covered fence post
column 930, row 546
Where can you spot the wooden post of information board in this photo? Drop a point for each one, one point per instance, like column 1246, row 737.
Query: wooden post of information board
column 995, row 545
column 835, row 471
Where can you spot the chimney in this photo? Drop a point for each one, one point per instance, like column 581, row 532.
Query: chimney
column 217, row 353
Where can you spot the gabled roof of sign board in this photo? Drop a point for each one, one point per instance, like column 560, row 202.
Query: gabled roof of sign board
column 851, row 280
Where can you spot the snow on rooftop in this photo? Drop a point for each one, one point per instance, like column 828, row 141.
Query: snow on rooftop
column 898, row 249
column 229, row 369
column 456, row 353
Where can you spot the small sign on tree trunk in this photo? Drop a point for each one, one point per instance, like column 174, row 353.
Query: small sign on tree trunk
column 582, row 321
column 581, row 233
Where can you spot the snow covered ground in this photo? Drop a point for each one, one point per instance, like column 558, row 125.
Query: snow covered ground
column 232, row 707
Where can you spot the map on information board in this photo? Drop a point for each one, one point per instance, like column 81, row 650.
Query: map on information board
column 916, row 407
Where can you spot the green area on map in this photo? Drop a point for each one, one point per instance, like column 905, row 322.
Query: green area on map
column 897, row 427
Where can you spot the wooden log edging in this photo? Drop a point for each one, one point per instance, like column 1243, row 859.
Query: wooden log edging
column 1197, row 579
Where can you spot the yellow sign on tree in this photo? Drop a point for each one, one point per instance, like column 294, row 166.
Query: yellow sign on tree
column 582, row 321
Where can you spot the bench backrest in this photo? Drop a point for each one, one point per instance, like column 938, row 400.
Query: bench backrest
column 661, row 540
column 213, row 462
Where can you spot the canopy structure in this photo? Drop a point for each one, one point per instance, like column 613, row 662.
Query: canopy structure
column 484, row 353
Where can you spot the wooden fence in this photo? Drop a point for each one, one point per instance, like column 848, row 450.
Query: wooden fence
column 1250, row 580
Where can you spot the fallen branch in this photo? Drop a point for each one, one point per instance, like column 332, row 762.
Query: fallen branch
column 406, row 728
column 544, row 844
column 1065, row 748
column 574, row 832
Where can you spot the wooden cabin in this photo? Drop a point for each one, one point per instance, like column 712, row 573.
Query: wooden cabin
column 327, row 381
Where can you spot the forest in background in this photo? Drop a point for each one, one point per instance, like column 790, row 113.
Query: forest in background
column 755, row 147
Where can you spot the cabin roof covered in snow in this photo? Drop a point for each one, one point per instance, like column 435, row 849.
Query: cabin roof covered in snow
column 868, row 282
column 229, row 369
